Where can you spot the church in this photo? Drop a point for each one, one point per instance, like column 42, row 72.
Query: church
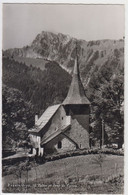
column 63, row 127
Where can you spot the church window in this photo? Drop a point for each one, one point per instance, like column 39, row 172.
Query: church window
column 62, row 118
column 59, row 144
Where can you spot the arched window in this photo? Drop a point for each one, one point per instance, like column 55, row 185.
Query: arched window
column 59, row 144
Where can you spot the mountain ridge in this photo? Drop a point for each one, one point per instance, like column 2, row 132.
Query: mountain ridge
column 36, row 71
column 62, row 49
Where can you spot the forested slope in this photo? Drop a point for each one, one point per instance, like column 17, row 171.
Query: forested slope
column 101, row 65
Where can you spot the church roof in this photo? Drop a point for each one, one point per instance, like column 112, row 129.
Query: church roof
column 76, row 93
column 54, row 134
column 45, row 117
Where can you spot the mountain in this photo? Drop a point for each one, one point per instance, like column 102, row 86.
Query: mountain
column 62, row 49
column 41, row 72
column 40, row 87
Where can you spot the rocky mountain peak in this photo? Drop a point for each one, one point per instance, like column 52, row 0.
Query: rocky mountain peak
column 62, row 49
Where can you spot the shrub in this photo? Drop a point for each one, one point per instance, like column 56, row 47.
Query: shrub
column 83, row 152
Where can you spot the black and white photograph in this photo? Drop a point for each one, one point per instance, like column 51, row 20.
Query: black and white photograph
column 63, row 98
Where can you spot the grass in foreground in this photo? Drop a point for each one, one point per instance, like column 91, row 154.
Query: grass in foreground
column 70, row 175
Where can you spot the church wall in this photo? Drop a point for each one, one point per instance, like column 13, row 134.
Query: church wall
column 79, row 131
column 56, row 122
column 35, row 139
column 53, row 145
column 83, row 120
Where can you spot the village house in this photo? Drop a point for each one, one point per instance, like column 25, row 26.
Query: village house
column 63, row 127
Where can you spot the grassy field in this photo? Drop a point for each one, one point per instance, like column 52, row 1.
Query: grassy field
column 80, row 174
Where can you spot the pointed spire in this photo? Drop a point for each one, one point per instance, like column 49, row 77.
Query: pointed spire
column 76, row 93
column 75, row 71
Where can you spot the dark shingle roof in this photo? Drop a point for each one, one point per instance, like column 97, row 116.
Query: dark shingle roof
column 54, row 134
column 76, row 93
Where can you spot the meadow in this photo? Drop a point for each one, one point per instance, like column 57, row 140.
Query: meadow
column 79, row 174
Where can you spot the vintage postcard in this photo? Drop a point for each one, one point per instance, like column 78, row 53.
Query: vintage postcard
column 63, row 98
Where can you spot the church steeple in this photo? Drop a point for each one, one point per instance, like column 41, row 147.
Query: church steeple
column 75, row 71
column 76, row 93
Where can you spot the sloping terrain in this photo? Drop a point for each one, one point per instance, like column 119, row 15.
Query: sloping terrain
column 95, row 58
column 62, row 49
column 42, row 72
column 35, row 62
column 40, row 87
column 76, row 175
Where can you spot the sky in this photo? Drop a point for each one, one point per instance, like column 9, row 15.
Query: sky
column 22, row 22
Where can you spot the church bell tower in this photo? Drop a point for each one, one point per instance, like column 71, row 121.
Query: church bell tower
column 77, row 106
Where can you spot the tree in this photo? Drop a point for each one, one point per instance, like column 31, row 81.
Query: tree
column 16, row 119
column 40, row 88
column 109, row 103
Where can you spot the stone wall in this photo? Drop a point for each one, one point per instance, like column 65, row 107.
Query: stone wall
column 79, row 132
column 66, row 145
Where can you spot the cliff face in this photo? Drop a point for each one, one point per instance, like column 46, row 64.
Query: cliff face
column 61, row 48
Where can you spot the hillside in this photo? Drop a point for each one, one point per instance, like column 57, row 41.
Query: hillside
column 41, row 70
column 40, row 87
column 93, row 56
column 80, row 174
column 62, row 49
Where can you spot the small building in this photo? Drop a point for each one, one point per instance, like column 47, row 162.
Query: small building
column 63, row 127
